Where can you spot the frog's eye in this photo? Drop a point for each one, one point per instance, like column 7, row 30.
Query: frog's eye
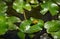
column 35, row 21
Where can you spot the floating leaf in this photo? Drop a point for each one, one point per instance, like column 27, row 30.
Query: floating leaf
column 26, row 26
column 34, row 28
column 21, row 35
column 12, row 26
column 57, row 1
column 53, row 8
column 3, row 7
column 20, row 5
column 34, row 3
column 44, row 8
column 13, row 19
column 52, row 26
column 49, row 5
column 27, row 7
column 10, row 21
column 3, row 25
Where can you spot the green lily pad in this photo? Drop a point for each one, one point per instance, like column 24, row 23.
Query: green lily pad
column 20, row 5
column 27, row 7
column 26, row 26
column 13, row 19
column 52, row 26
column 56, row 35
column 53, row 8
column 3, row 7
column 49, row 6
column 21, row 35
column 57, row 1
column 44, row 8
column 12, row 26
column 10, row 21
column 34, row 28
column 34, row 3
column 3, row 25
